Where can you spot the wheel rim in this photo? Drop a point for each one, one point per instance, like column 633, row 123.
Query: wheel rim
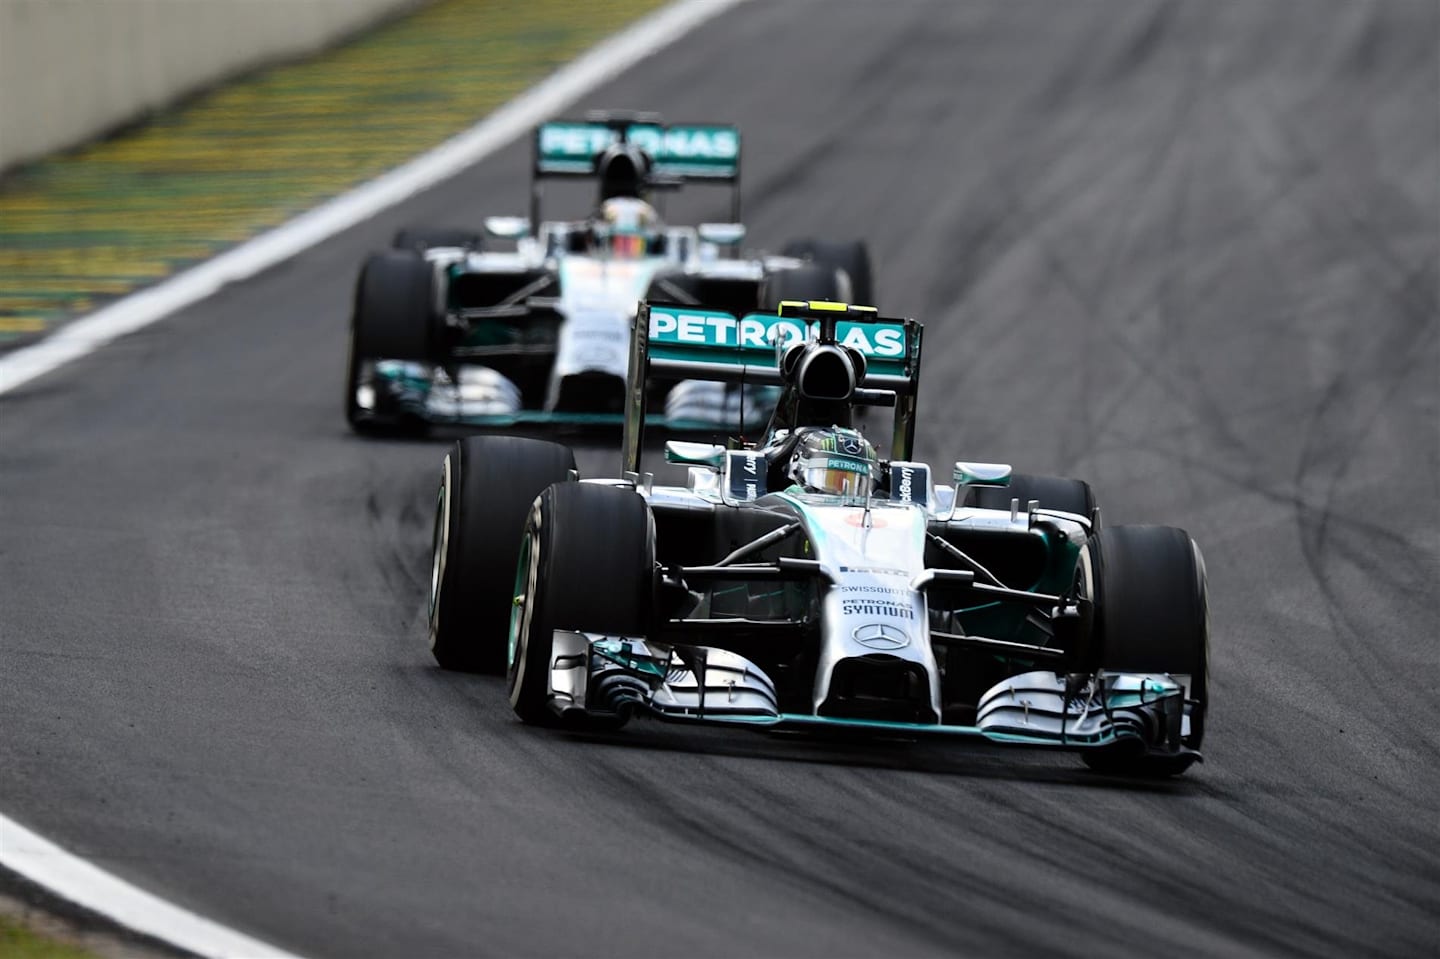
column 439, row 546
column 527, row 573
column 435, row 554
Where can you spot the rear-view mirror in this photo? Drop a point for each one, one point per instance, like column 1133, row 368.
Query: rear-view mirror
column 721, row 234
column 507, row 227
column 982, row 474
column 694, row 454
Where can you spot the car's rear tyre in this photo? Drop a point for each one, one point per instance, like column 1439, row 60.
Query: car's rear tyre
column 487, row 484
column 1052, row 492
column 1150, row 615
column 674, row 286
column 587, row 563
column 852, row 257
column 802, row 283
column 392, row 319
column 422, row 238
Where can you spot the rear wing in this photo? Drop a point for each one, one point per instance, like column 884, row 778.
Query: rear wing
column 690, row 151
column 679, row 152
column 697, row 342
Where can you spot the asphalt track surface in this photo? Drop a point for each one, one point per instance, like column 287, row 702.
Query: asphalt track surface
column 1187, row 250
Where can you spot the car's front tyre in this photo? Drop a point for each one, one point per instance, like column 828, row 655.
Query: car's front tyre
column 1150, row 615
column 587, row 563
column 392, row 319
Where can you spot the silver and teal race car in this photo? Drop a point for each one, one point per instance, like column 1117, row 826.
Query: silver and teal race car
column 807, row 583
column 444, row 330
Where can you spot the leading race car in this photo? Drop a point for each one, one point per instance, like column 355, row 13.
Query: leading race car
column 804, row 582
column 444, row 331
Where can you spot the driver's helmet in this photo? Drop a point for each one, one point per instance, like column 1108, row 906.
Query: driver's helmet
column 834, row 460
column 625, row 228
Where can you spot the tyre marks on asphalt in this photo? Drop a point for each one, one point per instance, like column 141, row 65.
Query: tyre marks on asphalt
column 1189, row 331
column 1366, row 338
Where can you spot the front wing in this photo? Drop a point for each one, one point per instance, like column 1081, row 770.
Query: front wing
column 592, row 674
column 397, row 392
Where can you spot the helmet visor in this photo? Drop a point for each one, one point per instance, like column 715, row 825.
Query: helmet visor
column 837, row 473
column 627, row 246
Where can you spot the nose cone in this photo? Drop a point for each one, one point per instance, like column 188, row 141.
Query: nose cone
column 875, row 660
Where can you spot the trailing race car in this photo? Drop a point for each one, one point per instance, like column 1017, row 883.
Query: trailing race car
column 444, row 331
column 806, row 583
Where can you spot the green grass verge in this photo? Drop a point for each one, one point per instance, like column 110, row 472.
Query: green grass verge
column 84, row 227
column 18, row 942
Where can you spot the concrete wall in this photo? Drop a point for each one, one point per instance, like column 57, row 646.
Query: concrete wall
column 71, row 70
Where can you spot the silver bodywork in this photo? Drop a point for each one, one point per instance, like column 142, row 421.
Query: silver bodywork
column 597, row 302
column 909, row 609
column 874, row 607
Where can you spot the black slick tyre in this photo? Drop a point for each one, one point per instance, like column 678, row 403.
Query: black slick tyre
column 487, row 485
column 674, row 286
column 801, row 283
column 587, row 563
column 392, row 319
column 1052, row 492
column 852, row 257
column 422, row 238
column 1150, row 615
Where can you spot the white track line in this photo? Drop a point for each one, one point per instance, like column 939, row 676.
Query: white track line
column 76, row 879
column 601, row 63
column 41, row 861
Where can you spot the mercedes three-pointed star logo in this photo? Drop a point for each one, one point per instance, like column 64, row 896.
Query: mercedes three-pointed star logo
column 881, row 636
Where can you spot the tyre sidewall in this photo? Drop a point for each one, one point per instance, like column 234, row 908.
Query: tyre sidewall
column 445, row 540
column 852, row 258
column 488, row 486
column 815, row 282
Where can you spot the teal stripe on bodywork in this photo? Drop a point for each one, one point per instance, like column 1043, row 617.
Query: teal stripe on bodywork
column 800, row 720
